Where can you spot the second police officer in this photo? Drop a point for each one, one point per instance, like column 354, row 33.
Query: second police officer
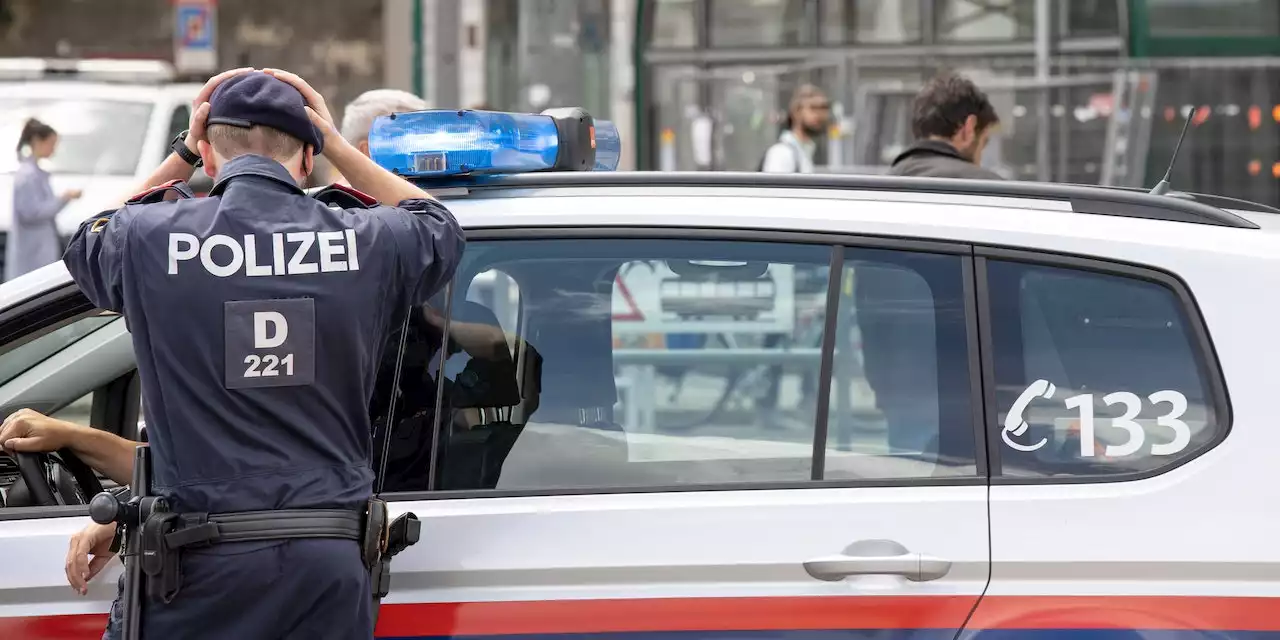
column 258, row 316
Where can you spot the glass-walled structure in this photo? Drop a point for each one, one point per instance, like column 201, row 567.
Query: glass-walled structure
column 726, row 24
column 1222, row 58
column 543, row 53
column 1089, row 91
column 1183, row 28
column 714, row 76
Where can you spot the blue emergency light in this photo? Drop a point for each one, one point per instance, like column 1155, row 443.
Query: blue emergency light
column 438, row 143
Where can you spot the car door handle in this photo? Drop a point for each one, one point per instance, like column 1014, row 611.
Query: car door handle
column 915, row 567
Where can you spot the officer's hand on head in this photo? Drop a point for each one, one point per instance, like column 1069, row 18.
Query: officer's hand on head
column 196, row 127
column 93, row 540
column 200, row 105
column 316, row 107
column 30, row 431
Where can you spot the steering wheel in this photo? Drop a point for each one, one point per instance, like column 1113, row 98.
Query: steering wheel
column 35, row 471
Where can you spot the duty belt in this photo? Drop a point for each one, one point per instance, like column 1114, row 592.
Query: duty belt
column 154, row 537
column 164, row 534
column 253, row 526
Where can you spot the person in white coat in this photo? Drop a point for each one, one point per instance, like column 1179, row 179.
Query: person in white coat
column 33, row 236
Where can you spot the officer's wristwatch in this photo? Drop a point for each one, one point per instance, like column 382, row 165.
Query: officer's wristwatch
column 179, row 146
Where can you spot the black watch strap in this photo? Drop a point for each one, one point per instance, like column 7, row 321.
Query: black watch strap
column 179, row 146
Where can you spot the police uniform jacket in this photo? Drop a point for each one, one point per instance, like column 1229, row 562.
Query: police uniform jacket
column 258, row 317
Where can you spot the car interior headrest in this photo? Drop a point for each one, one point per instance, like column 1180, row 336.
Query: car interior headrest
column 573, row 330
column 489, row 376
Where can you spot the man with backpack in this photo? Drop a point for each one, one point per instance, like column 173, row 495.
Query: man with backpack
column 808, row 115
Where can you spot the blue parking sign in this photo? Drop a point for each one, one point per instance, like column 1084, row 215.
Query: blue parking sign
column 194, row 35
column 195, row 26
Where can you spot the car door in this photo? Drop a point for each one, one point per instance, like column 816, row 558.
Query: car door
column 709, row 434
column 1121, row 507
column 60, row 356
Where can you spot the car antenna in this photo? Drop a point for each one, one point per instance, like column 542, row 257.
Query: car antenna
column 1163, row 187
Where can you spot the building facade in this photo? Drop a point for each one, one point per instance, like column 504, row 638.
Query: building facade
column 1089, row 91
column 702, row 84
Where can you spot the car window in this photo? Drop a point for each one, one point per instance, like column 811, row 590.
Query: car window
column 21, row 358
column 637, row 363
column 622, row 363
column 902, row 397
column 95, row 137
column 80, row 411
column 1096, row 374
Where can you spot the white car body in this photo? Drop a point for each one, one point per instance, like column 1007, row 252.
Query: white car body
column 114, row 178
column 1184, row 551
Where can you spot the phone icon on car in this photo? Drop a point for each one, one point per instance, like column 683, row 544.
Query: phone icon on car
column 1015, row 422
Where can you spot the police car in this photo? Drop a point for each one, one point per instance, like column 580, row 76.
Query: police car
column 1029, row 411
column 115, row 120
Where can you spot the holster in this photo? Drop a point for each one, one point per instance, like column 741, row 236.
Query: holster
column 374, row 540
column 383, row 541
column 159, row 561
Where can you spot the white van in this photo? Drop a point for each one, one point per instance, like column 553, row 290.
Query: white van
column 115, row 120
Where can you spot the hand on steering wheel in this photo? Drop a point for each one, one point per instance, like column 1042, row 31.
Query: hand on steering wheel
column 31, row 438
column 35, row 470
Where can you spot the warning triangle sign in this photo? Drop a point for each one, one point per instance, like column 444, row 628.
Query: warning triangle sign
column 632, row 313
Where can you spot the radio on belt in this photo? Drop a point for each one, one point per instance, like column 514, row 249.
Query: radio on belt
column 439, row 143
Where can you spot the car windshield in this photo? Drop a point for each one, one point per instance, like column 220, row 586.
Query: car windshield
column 20, row 359
column 96, row 137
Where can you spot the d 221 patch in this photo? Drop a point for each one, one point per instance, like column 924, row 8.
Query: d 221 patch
column 270, row 343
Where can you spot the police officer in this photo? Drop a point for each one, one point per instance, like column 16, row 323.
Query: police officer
column 258, row 315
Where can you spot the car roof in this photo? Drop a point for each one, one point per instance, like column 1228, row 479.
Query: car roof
column 1079, row 220
column 1008, row 214
column 139, row 92
column 1227, row 203
column 1031, row 195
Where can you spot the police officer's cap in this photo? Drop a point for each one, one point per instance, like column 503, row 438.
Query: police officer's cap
column 257, row 98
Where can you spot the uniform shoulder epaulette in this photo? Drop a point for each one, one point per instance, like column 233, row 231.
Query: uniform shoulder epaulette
column 344, row 197
column 171, row 190
column 96, row 223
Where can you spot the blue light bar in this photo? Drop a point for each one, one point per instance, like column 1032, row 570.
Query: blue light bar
column 442, row 143
column 608, row 146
